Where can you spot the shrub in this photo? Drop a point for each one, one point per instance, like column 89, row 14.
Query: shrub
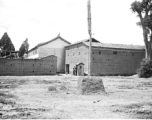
column 63, row 88
column 52, row 88
column 145, row 70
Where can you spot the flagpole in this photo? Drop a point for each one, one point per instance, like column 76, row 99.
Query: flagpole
column 90, row 39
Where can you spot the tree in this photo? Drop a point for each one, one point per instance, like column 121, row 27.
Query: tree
column 24, row 48
column 6, row 43
column 144, row 12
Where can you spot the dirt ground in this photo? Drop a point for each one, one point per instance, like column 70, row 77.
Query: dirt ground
column 56, row 97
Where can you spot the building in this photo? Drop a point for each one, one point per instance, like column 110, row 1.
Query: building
column 55, row 47
column 107, row 59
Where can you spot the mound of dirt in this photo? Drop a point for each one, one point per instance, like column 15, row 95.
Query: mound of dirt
column 90, row 85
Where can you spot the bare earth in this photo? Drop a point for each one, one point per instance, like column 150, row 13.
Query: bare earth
column 32, row 97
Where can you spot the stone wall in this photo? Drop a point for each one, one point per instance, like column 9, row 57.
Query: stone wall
column 23, row 67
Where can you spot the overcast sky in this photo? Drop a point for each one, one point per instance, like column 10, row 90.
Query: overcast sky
column 42, row 20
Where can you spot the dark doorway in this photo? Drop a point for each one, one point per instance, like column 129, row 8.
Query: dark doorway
column 67, row 68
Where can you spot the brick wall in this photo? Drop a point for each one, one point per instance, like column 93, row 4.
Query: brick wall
column 19, row 67
column 116, row 61
column 105, row 61
column 77, row 54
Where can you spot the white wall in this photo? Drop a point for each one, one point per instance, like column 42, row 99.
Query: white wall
column 33, row 56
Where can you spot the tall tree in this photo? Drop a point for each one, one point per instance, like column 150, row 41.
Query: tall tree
column 24, row 48
column 143, row 9
column 6, row 43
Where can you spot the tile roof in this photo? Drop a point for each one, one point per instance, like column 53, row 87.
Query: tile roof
column 116, row 46
column 96, row 43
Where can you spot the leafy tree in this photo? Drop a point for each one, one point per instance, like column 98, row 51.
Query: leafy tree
column 6, row 43
column 24, row 48
column 145, row 70
column 143, row 9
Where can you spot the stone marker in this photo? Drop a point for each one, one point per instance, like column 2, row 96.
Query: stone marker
column 90, row 85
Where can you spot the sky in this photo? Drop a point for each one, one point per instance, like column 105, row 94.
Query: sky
column 43, row 20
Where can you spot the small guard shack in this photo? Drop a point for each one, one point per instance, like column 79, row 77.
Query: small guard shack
column 80, row 69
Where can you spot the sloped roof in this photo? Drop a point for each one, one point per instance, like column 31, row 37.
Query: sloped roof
column 96, row 43
column 84, row 41
column 116, row 46
column 44, row 43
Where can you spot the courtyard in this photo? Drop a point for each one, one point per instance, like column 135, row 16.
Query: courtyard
column 32, row 97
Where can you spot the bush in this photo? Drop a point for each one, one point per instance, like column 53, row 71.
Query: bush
column 145, row 70
column 52, row 88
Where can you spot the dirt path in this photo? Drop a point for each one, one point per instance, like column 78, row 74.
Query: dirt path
column 127, row 97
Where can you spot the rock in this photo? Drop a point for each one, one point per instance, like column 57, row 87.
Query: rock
column 90, row 85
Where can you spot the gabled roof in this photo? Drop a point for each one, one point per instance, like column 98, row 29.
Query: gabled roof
column 44, row 43
column 97, row 44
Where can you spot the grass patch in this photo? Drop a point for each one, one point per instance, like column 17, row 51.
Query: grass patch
column 4, row 100
column 47, row 81
column 138, row 110
column 6, row 95
column 125, row 87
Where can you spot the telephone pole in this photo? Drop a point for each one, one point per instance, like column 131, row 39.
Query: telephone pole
column 90, row 39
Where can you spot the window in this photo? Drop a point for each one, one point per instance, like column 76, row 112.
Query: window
column 115, row 52
column 132, row 54
column 79, row 53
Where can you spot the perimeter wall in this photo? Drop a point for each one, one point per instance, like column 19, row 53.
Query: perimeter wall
column 25, row 67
